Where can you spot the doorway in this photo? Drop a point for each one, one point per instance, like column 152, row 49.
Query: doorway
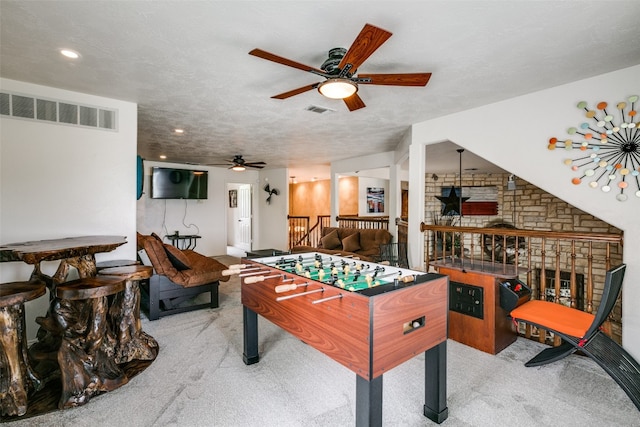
column 239, row 217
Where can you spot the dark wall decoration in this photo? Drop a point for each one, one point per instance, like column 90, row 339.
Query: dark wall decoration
column 375, row 199
column 482, row 200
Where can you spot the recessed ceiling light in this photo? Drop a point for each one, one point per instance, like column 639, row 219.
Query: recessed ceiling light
column 72, row 54
column 162, row 156
column 179, row 131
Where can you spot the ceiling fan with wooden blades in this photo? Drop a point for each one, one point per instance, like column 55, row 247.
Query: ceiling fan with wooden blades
column 239, row 164
column 340, row 70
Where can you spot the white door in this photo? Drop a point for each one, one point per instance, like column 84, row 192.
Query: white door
column 244, row 218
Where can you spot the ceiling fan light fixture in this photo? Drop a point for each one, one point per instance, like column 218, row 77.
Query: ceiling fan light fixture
column 337, row 88
column 238, row 168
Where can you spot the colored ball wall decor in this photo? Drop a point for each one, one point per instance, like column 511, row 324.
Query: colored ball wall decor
column 608, row 148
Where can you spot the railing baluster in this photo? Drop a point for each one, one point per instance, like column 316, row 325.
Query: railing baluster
column 589, row 305
column 527, row 329
column 572, row 277
column 542, row 292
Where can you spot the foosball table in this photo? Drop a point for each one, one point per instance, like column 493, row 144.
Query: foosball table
column 368, row 317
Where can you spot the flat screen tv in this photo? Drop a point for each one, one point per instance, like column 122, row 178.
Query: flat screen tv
column 171, row 183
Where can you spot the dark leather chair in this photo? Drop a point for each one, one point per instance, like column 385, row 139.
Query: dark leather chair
column 582, row 331
column 180, row 276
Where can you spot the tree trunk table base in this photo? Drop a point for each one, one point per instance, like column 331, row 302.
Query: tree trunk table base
column 46, row 400
column 132, row 343
column 17, row 378
column 74, row 358
column 84, row 356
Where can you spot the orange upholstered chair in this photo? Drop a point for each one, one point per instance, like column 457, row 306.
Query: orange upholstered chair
column 582, row 331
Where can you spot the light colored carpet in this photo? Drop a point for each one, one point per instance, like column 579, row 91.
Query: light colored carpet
column 199, row 379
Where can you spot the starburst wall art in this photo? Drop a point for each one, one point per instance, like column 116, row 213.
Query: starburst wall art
column 607, row 147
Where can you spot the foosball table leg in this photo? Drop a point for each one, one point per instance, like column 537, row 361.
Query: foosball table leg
column 368, row 402
column 435, row 383
column 250, row 325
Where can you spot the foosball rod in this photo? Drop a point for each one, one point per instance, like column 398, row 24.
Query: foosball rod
column 302, row 259
column 292, row 287
column 318, row 301
column 397, row 273
column 299, row 295
column 239, row 266
column 255, row 279
column 232, row 271
column 295, row 262
column 352, row 275
column 259, row 271
column 340, row 268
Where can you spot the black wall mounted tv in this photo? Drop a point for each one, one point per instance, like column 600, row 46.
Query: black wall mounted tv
column 171, row 183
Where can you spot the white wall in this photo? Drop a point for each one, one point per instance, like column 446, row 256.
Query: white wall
column 514, row 134
column 272, row 219
column 63, row 181
column 206, row 218
column 349, row 166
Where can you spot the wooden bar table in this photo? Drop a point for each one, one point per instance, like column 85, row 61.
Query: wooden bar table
column 78, row 252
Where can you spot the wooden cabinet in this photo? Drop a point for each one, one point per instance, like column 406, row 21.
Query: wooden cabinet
column 488, row 329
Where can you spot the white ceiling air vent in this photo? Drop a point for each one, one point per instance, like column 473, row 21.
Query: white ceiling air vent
column 319, row 110
column 60, row 112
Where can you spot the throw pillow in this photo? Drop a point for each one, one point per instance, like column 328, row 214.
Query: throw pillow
column 351, row 243
column 331, row 240
column 177, row 258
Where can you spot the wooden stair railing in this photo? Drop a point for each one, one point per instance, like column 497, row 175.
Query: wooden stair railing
column 535, row 254
column 374, row 222
column 402, row 230
column 298, row 229
column 301, row 234
column 311, row 236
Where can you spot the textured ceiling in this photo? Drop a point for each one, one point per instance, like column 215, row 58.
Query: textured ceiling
column 187, row 66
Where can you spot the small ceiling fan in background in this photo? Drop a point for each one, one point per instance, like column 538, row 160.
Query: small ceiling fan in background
column 239, row 164
column 341, row 67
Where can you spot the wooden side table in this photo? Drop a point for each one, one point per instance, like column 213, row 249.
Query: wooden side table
column 182, row 242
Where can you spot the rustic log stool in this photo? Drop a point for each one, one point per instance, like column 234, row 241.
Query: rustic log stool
column 115, row 263
column 17, row 378
column 124, row 315
column 84, row 357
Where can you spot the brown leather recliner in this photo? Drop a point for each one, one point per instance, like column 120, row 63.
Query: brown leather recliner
column 180, row 276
